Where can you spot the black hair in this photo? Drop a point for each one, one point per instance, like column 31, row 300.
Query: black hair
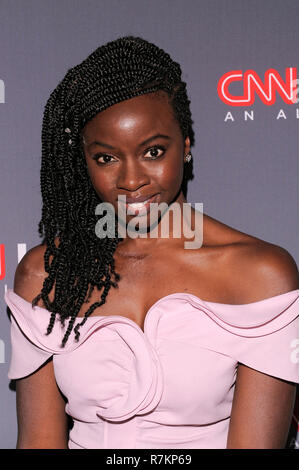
column 119, row 70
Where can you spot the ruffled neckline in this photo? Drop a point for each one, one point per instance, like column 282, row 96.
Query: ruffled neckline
column 281, row 301
column 233, row 315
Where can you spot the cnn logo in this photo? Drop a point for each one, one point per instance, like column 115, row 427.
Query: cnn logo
column 2, row 261
column 253, row 85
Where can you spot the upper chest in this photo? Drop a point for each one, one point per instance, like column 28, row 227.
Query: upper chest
column 146, row 280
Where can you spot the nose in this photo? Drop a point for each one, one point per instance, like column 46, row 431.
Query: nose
column 132, row 176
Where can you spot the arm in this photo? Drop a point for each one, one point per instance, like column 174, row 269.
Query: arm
column 263, row 405
column 262, row 411
column 42, row 421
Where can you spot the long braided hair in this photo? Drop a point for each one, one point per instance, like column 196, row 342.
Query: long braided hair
column 119, row 70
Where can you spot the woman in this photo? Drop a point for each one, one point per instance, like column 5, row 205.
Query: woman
column 192, row 348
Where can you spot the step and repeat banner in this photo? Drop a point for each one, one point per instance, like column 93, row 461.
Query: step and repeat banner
column 241, row 64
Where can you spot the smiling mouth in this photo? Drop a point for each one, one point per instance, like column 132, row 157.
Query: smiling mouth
column 140, row 207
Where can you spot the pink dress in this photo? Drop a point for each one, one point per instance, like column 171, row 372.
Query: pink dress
column 169, row 386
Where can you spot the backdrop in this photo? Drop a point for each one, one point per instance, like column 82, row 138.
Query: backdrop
column 240, row 61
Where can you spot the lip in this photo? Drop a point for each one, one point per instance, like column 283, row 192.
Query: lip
column 141, row 207
column 133, row 200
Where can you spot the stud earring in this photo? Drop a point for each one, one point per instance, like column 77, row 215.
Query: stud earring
column 188, row 157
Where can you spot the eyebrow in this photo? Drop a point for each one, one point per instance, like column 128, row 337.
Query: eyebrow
column 103, row 144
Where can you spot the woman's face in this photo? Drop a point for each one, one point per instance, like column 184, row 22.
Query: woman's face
column 135, row 148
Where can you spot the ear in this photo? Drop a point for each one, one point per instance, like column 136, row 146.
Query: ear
column 187, row 146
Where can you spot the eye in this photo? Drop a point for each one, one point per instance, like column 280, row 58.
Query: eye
column 155, row 152
column 104, row 156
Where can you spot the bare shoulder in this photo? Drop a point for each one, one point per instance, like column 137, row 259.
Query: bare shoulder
column 261, row 270
column 251, row 269
column 30, row 274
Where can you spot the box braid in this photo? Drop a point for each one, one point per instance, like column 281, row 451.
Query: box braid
column 119, row 70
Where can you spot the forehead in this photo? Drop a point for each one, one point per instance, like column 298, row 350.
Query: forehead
column 141, row 114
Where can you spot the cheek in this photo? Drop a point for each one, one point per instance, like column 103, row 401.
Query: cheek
column 171, row 175
column 102, row 183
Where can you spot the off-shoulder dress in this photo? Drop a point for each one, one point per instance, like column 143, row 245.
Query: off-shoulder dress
column 169, row 386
